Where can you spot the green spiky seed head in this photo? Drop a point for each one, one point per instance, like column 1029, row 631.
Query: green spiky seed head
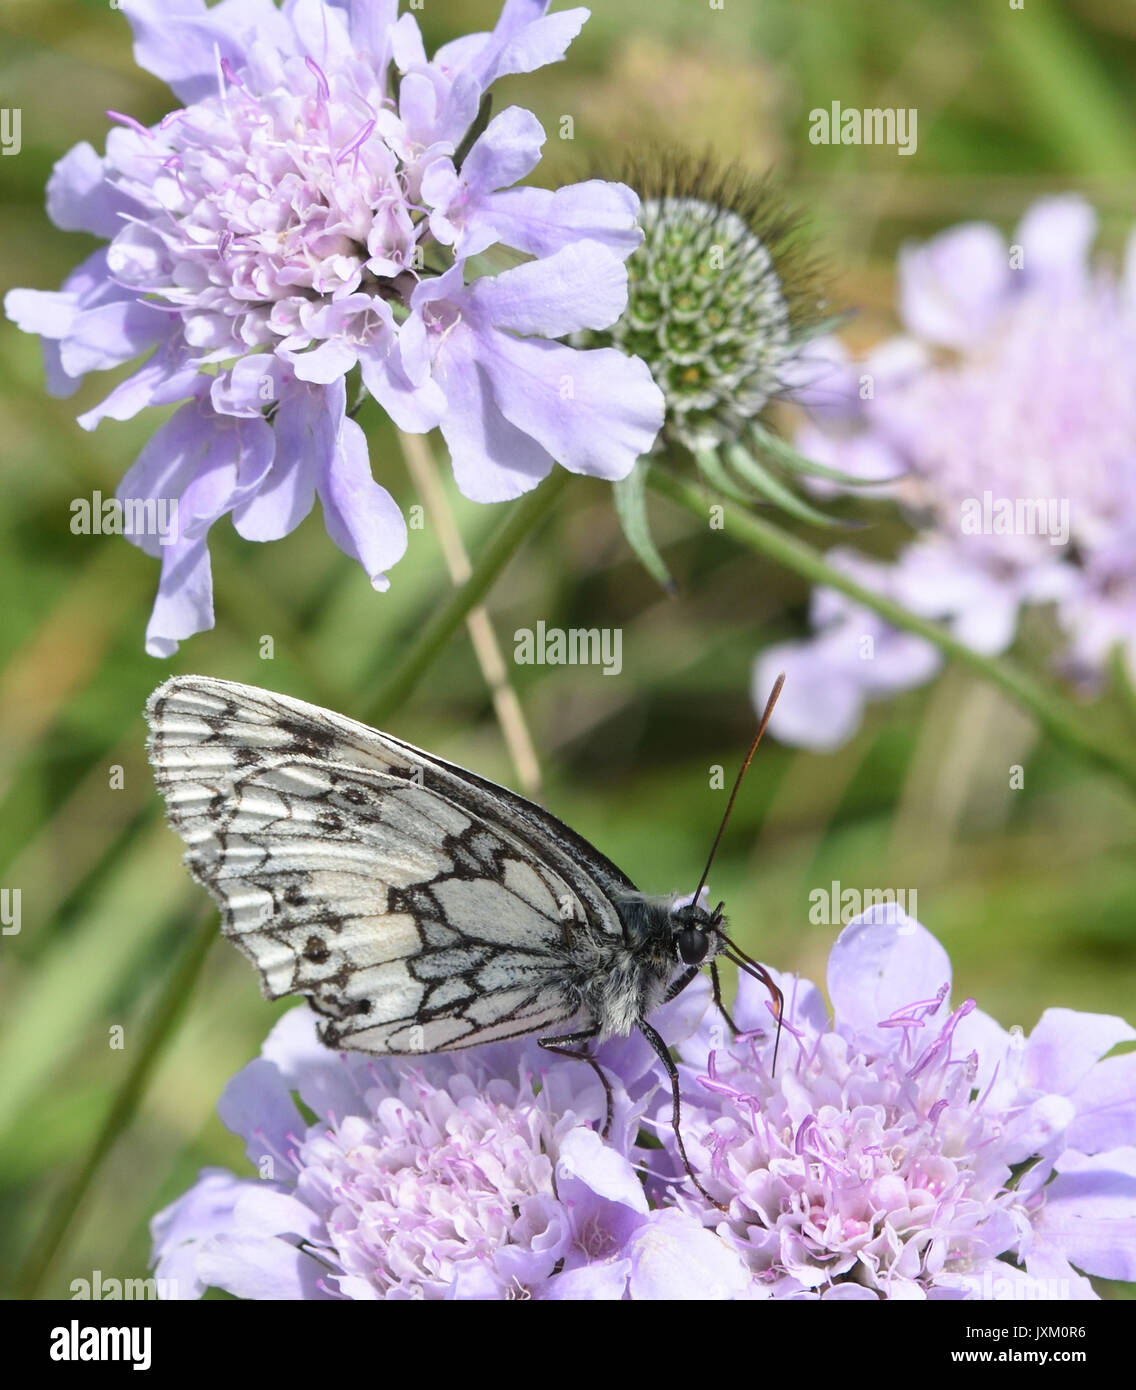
column 719, row 298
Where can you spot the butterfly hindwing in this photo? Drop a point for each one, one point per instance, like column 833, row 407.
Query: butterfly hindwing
column 418, row 907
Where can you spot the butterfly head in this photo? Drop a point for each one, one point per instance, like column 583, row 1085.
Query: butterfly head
column 698, row 933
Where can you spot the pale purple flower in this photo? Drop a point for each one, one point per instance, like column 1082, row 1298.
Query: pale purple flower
column 903, row 1149
column 304, row 214
column 908, row 1147
column 1004, row 422
column 476, row 1175
column 855, row 656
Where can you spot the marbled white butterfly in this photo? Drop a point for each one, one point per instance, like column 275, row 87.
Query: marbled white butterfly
column 417, row 906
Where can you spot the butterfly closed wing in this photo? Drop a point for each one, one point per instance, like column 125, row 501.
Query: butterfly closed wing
column 418, row 907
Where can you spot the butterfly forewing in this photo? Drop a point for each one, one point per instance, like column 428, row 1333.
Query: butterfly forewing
column 418, row 907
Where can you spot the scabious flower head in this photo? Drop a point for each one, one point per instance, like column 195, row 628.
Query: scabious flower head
column 309, row 213
column 478, row 1175
column 908, row 1148
column 1004, row 422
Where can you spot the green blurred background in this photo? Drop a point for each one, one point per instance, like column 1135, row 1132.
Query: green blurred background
column 1032, row 892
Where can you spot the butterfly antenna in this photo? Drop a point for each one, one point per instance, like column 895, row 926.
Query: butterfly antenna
column 773, row 694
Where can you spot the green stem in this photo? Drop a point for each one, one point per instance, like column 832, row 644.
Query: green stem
column 1052, row 713
column 523, row 518
column 174, row 999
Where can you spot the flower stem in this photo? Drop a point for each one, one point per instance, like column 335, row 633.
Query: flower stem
column 523, row 518
column 1052, row 713
column 486, row 648
column 159, row 1030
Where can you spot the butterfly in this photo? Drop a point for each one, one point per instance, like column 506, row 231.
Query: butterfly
column 418, row 907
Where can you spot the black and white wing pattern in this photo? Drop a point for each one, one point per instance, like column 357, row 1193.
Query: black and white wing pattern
column 417, row 906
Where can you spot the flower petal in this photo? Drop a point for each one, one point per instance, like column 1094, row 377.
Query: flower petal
column 160, row 381
column 208, row 464
column 950, row 287
column 882, row 962
column 1053, row 1277
column 674, row 1256
column 587, row 1169
column 329, row 1083
column 48, row 312
column 80, row 198
column 251, row 384
column 228, row 460
column 414, row 407
column 543, row 221
column 322, row 31
column 305, row 428
column 600, row 1280
column 184, row 604
column 1065, row 1044
column 177, row 1231
column 506, row 151
column 371, row 23
column 257, row 1105
column 823, row 703
column 1106, row 1106
column 262, row 1269
column 984, row 1036
column 261, row 1210
column 1056, row 235
column 361, row 517
column 183, row 43
column 329, row 361
column 111, row 334
column 407, row 46
column 522, row 40
column 1090, row 1213
column 583, row 286
column 493, row 461
column 595, row 411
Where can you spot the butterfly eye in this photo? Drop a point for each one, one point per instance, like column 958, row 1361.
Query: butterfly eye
column 692, row 945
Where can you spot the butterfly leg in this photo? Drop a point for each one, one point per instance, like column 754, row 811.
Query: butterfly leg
column 667, row 1060
column 685, row 978
column 717, row 982
column 556, row 1044
column 677, row 986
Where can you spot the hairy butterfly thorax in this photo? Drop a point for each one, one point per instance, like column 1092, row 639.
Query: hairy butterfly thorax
column 661, row 938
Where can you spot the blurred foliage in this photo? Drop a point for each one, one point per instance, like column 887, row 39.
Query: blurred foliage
column 1031, row 891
